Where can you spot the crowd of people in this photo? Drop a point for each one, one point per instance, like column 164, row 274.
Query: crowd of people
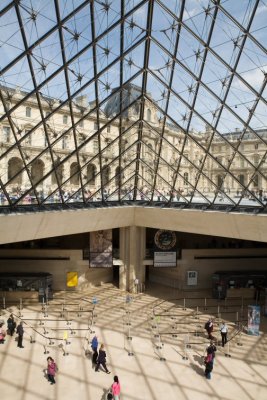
column 99, row 354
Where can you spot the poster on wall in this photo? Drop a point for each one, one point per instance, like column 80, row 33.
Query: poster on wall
column 165, row 259
column 253, row 320
column 101, row 260
column 101, row 241
column 191, row 278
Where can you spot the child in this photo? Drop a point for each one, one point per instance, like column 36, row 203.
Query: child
column 51, row 370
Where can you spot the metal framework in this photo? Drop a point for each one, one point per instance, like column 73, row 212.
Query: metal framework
column 199, row 67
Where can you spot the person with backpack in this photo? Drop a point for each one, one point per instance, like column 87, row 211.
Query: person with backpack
column 209, row 328
column 20, row 332
column 11, row 325
column 101, row 360
column 94, row 346
column 211, row 349
column 116, row 388
column 208, row 361
column 51, row 370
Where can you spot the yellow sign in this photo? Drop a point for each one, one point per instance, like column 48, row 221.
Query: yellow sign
column 72, row 279
column 65, row 335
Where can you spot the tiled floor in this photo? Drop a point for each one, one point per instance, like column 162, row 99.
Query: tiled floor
column 151, row 373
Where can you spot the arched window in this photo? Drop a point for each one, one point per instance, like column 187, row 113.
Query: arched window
column 15, row 165
column 148, row 114
column 118, row 176
column 37, row 171
column 59, row 170
column 242, row 179
column 219, row 180
column 91, row 173
column 186, row 178
column 256, row 181
column 106, row 173
column 74, row 168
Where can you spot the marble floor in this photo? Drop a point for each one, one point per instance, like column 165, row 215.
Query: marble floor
column 155, row 342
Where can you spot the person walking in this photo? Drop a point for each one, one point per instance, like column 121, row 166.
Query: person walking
column 11, row 325
column 2, row 333
column 102, row 359
column 20, row 332
column 211, row 349
column 116, row 388
column 208, row 365
column 94, row 347
column 209, row 328
column 224, row 330
column 51, row 370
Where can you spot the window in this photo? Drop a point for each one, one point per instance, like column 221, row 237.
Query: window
column 95, row 126
column 108, row 129
column 47, row 113
column 64, row 142
column 256, row 146
column 148, row 115
column 186, row 178
column 28, row 140
column 28, row 112
column 6, row 133
column 95, row 146
column 256, row 181
column 242, row 179
column 65, row 119
column 81, row 124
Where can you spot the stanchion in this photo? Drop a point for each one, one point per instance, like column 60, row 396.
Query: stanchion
column 205, row 304
column 45, row 331
column 196, row 315
column 67, row 318
column 196, row 331
column 32, row 340
column 239, row 338
column 45, row 347
column 227, row 354
column 4, row 303
column 51, row 342
column 62, row 311
column 225, row 303
column 45, row 310
column 20, row 308
column 242, row 307
column 186, row 346
column 184, row 308
column 237, row 320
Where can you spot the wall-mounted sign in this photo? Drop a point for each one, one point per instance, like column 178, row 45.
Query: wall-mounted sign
column 165, row 259
column 191, row 278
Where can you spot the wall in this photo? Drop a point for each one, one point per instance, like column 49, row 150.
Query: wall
column 177, row 277
column 58, row 268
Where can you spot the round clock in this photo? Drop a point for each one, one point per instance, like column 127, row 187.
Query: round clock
column 165, row 240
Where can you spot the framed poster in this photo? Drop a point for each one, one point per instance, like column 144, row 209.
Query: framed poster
column 254, row 313
column 191, row 278
column 101, row 241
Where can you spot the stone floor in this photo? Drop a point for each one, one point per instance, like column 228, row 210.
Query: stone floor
column 167, row 347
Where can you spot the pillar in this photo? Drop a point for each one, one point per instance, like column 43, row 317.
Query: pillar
column 132, row 254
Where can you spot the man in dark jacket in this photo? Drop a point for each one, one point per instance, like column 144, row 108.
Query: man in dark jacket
column 102, row 359
column 20, row 332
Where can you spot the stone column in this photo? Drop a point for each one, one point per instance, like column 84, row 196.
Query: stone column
column 132, row 253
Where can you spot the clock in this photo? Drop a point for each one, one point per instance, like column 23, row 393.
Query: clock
column 165, row 240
